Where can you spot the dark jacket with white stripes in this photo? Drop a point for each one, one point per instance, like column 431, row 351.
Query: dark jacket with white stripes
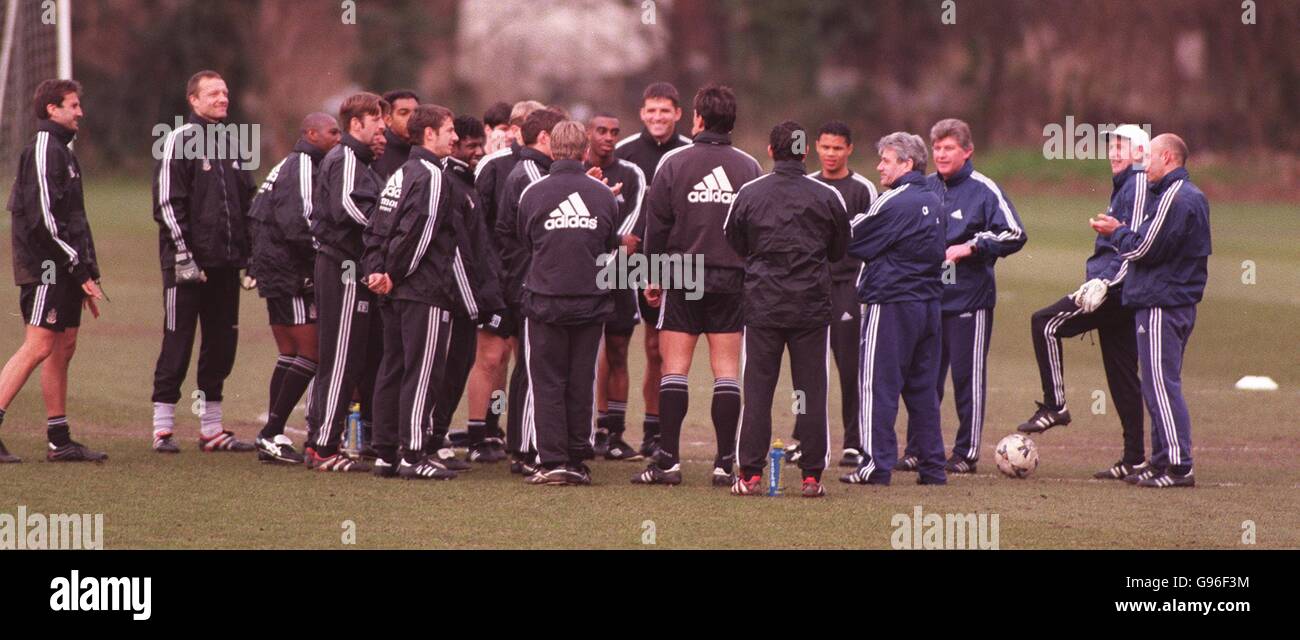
column 566, row 223
column 284, row 252
column 858, row 193
column 1127, row 200
column 201, row 203
column 413, row 236
column 346, row 194
column 49, row 211
column 645, row 152
column 689, row 198
column 477, row 249
column 532, row 165
column 1168, row 254
column 629, row 197
column 789, row 228
column 900, row 240
column 490, row 180
column 396, row 152
column 977, row 213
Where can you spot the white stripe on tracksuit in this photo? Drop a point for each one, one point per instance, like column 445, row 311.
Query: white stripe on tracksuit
column 1139, row 206
column 977, row 385
column 426, row 235
column 1054, row 353
column 1155, row 335
column 341, row 342
column 528, row 427
column 1156, row 224
column 42, row 182
column 38, row 305
column 299, row 310
column 740, row 423
column 169, row 308
column 349, row 183
column 632, row 216
column 416, row 443
column 165, row 190
column 875, row 206
column 866, row 373
column 826, row 463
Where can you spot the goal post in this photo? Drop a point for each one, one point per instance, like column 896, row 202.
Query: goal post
column 35, row 45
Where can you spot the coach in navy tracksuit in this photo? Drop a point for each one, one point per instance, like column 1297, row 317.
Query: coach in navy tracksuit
column 789, row 228
column 901, row 242
column 1098, row 305
column 1167, row 257
column 566, row 227
column 982, row 227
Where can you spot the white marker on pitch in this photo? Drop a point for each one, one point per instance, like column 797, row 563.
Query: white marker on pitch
column 1256, row 383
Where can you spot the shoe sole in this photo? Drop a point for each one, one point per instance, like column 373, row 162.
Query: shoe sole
column 104, row 459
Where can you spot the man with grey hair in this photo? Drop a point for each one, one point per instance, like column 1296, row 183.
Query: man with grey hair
column 900, row 240
column 565, row 225
column 1167, row 256
column 982, row 226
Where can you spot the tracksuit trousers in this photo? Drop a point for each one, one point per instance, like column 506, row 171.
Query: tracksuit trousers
column 1119, row 354
column 966, row 350
column 414, row 363
column 560, row 398
column 344, row 307
column 900, row 353
column 762, row 349
column 846, row 332
column 212, row 306
column 461, row 347
column 1162, row 336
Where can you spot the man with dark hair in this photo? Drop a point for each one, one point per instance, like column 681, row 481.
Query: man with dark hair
column 693, row 188
column 660, row 111
column 397, row 143
column 283, row 265
column 55, row 266
column 901, row 243
column 1168, row 257
column 468, row 149
column 345, row 196
column 534, row 162
column 496, row 336
column 201, row 206
column 834, row 147
column 411, row 255
column 566, row 225
column 496, row 127
column 789, row 228
column 612, row 378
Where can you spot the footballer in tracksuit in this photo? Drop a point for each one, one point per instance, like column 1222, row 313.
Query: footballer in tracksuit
column 283, row 266
column 900, row 240
column 1098, row 305
column 982, row 227
column 834, row 147
column 1167, row 260
column 346, row 195
column 790, row 228
column 55, row 266
column 567, row 225
column 693, row 188
column 412, row 244
column 201, row 203
column 534, row 163
column 629, row 183
column 660, row 112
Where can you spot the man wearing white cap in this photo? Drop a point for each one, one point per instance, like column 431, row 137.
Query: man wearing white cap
column 1097, row 305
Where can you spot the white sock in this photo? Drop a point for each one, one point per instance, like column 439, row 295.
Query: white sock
column 164, row 417
column 210, row 421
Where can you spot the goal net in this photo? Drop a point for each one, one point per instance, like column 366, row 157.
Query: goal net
column 35, row 45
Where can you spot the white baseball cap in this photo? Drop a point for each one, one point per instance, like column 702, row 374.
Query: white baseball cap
column 1135, row 134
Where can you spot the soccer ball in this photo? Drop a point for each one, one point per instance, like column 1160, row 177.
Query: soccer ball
column 1017, row 456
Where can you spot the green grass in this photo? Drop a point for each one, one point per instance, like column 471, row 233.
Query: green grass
column 1246, row 444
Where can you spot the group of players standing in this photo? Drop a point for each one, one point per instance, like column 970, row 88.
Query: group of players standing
column 406, row 253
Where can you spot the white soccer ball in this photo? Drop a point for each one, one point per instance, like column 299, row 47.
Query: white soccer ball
column 1017, row 456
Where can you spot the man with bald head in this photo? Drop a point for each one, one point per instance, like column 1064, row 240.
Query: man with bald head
column 281, row 267
column 1167, row 256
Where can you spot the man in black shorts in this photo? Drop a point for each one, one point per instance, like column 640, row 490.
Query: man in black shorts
column 283, row 265
column 54, row 265
column 692, row 191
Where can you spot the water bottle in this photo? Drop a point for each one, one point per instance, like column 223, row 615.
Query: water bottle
column 774, row 468
column 354, row 440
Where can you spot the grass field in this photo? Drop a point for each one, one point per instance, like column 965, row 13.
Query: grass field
column 1247, row 444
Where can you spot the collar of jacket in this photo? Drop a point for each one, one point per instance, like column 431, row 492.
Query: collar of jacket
column 650, row 140
column 529, row 153
column 1173, row 176
column 459, row 168
column 1120, row 178
column 911, row 177
column 420, row 153
column 60, row 132
column 957, row 178
column 712, row 137
column 302, row 146
column 363, row 151
column 789, row 167
column 609, row 162
column 568, row 166
column 396, row 142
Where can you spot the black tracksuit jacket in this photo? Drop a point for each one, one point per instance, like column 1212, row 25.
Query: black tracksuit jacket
column 284, row 252
column 49, row 210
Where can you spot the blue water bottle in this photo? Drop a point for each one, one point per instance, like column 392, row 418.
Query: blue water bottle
column 774, row 468
column 355, row 439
